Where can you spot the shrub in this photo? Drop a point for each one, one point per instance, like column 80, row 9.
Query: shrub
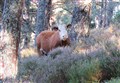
column 47, row 68
column 60, row 51
column 115, row 80
column 117, row 17
column 55, row 68
column 62, row 65
column 27, row 68
column 110, row 67
column 112, row 48
column 84, row 71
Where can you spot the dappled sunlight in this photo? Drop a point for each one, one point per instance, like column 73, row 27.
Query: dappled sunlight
column 86, row 2
column 87, row 49
column 111, row 29
column 32, row 38
column 119, row 43
column 5, row 37
column 27, row 52
column 7, row 63
column 99, row 37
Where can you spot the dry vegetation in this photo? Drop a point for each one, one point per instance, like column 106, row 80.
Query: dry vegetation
column 93, row 59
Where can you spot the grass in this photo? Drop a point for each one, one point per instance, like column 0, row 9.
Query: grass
column 28, row 52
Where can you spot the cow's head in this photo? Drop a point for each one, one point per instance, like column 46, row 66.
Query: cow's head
column 63, row 32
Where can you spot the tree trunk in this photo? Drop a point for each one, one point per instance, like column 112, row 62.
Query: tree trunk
column 100, row 14
column 110, row 8
column 104, row 14
column 95, row 14
column 40, row 23
column 77, row 15
column 48, row 13
column 27, row 28
column 78, row 20
column 1, row 6
column 94, row 8
column 12, row 26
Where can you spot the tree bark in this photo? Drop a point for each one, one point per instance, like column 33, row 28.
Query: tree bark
column 40, row 22
column 106, row 13
column 78, row 18
column 48, row 13
column 1, row 6
column 27, row 28
column 12, row 26
column 110, row 8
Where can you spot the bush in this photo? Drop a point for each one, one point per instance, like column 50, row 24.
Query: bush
column 48, row 68
column 117, row 17
column 112, row 49
column 115, row 80
column 110, row 67
column 84, row 71
column 55, row 69
column 62, row 65
column 27, row 68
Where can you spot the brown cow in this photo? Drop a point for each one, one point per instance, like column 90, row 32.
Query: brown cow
column 48, row 40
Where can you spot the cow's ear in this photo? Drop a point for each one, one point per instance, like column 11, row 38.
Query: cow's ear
column 68, row 26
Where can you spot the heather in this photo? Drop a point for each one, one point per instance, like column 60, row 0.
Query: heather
column 93, row 59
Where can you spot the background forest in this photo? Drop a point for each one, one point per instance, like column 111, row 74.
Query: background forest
column 94, row 31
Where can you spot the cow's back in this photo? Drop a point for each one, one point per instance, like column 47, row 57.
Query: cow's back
column 54, row 41
column 42, row 40
column 44, row 35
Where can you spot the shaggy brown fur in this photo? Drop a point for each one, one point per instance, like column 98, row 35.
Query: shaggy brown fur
column 47, row 40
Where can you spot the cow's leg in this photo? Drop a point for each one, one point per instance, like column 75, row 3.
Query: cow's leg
column 43, row 52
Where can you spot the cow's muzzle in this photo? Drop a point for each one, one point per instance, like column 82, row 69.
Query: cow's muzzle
column 65, row 37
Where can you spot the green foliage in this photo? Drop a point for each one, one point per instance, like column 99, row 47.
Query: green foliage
column 84, row 72
column 117, row 17
column 112, row 48
column 54, row 69
column 110, row 66
column 64, row 16
column 27, row 68
column 66, row 19
column 115, row 80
